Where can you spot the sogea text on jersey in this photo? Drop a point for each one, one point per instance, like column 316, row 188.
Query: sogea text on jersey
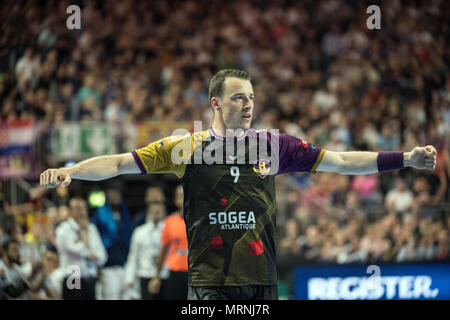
column 232, row 217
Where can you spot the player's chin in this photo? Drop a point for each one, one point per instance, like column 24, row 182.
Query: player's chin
column 245, row 123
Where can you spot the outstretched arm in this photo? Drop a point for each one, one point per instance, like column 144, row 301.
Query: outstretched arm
column 94, row 169
column 366, row 162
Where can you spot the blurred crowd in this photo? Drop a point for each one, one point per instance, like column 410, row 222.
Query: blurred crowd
column 101, row 250
column 356, row 223
column 318, row 71
column 318, row 74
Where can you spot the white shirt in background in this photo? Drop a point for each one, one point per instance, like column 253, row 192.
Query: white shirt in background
column 73, row 252
column 54, row 282
column 144, row 251
column 16, row 277
column 402, row 200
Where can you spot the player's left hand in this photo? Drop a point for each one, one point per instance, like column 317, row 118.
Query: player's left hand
column 422, row 158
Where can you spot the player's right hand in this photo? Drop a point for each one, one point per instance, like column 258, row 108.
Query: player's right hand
column 51, row 178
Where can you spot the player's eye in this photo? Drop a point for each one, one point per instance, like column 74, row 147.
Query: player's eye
column 241, row 97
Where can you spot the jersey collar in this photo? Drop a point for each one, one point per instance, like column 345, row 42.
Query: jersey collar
column 215, row 135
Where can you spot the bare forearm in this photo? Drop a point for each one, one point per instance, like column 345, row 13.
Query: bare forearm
column 95, row 169
column 359, row 162
column 102, row 167
column 363, row 162
column 367, row 162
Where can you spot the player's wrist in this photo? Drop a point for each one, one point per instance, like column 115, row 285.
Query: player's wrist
column 407, row 159
column 67, row 170
column 390, row 160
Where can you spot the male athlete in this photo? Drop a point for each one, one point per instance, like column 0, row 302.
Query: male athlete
column 229, row 203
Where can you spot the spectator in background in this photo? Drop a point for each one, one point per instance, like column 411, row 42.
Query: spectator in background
column 175, row 248
column 54, row 275
column 88, row 90
column 311, row 247
column 389, row 139
column 152, row 194
column 290, row 242
column 353, row 204
column 355, row 254
column 426, row 249
column 367, row 187
column 443, row 248
column 315, row 199
column 36, row 239
column 399, row 199
column 13, row 279
column 49, row 286
column 407, row 251
column 421, row 192
column 79, row 244
column 442, row 160
column 27, row 69
column 144, row 251
column 114, row 224
column 55, row 216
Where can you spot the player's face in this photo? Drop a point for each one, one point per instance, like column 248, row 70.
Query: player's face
column 237, row 103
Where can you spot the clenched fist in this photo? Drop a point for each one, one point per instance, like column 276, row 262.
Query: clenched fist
column 51, row 178
column 421, row 158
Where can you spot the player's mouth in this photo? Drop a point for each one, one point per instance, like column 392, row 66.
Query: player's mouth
column 247, row 116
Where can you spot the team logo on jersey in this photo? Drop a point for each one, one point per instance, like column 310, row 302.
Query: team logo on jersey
column 171, row 139
column 262, row 167
column 306, row 144
column 241, row 220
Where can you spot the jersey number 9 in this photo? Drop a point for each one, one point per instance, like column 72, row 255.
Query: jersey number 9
column 234, row 171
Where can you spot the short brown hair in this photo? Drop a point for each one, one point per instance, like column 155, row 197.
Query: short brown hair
column 216, row 87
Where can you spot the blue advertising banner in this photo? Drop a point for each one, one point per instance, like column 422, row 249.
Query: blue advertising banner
column 374, row 282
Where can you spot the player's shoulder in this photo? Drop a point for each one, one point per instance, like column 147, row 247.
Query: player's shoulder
column 193, row 136
column 201, row 134
column 173, row 139
column 264, row 135
column 257, row 133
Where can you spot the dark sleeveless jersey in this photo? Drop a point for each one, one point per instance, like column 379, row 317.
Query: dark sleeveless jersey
column 229, row 199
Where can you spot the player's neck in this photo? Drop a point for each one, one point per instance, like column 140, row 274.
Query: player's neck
column 223, row 131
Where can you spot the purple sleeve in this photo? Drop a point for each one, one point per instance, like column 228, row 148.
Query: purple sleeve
column 296, row 155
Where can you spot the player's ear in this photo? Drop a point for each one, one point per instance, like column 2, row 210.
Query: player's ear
column 215, row 102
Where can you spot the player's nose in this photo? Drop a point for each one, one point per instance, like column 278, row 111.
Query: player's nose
column 248, row 105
